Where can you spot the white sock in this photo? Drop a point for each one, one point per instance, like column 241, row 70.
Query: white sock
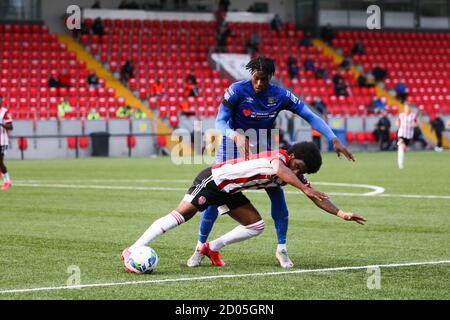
column 240, row 233
column 158, row 227
column 281, row 247
column 6, row 177
column 199, row 244
column 401, row 157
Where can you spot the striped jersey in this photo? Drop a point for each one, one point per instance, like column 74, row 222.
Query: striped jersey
column 5, row 117
column 256, row 172
column 407, row 122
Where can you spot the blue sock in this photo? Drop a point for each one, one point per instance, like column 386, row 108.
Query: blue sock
column 207, row 219
column 280, row 214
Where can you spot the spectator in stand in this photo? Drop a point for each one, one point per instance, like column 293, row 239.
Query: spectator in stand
column 358, row 48
column 94, row 115
column 276, row 24
column 124, row 112
column 438, row 126
column 327, row 34
column 293, row 68
column 337, row 77
column 345, row 64
column 379, row 74
column 53, row 82
column 377, row 105
column 222, row 35
column 222, row 11
column 123, row 4
column 92, row 80
column 418, row 137
column 96, row 5
column 340, row 88
column 185, row 109
column 253, row 43
column 382, row 130
column 64, row 79
column 320, row 107
column 308, row 64
column 321, row 73
column 128, row 5
column 224, row 4
column 97, row 27
column 156, row 89
column 401, row 91
column 127, row 71
column 306, row 40
column 63, row 108
column 191, row 85
column 363, row 82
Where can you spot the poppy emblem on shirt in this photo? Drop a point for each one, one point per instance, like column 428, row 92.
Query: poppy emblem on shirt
column 201, row 200
column 247, row 112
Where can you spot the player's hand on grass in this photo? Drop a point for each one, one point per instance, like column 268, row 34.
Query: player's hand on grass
column 310, row 192
column 347, row 216
column 340, row 148
column 243, row 145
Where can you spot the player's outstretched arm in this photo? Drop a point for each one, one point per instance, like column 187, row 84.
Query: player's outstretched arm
column 286, row 174
column 320, row 125
column 329, row 207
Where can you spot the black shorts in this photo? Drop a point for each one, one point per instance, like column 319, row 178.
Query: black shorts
column 3, row 149
column 406, row 141
column 204, row 193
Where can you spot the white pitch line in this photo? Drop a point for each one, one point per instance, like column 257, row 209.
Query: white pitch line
column 369, row 194
column 227, row 276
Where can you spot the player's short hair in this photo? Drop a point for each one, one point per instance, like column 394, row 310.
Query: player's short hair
column 263, row 64
column 309, row 153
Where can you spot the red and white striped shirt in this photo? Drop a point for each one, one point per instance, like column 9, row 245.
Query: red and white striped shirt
column 254, row 173
column 5, row 117
column 407, row 124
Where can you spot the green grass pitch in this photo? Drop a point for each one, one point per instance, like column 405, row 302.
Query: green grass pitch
column 83, row 212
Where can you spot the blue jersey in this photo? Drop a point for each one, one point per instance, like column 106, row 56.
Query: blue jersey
column 243, row 109
column 251, row 111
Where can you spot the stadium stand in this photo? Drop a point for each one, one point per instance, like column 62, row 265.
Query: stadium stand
column 29, row 56
column 420, row 60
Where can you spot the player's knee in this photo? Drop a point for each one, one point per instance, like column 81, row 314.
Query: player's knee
column 257, row 228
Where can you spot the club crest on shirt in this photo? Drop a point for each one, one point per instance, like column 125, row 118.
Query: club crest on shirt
column 271, row 101
column 201, row 200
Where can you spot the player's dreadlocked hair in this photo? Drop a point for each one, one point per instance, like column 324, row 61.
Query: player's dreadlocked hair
column 309, row 153
column 263, row 64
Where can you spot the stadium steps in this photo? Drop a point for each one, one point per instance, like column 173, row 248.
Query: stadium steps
column 121, row 90
column 381, row 92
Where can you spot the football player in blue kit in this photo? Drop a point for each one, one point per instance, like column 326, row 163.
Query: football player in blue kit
column 253, row 106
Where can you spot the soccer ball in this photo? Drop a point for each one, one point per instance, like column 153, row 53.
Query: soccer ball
column 143, row 259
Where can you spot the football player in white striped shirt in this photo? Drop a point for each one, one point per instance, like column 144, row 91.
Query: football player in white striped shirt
column 222, row 185
column 406, row 121
column 5, row 126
